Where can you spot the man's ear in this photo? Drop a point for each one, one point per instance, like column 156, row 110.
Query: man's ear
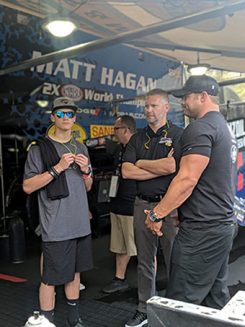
column 52, row 118
column 167, row 106
column 204, row 96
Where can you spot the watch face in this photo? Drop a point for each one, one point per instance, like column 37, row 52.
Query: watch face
column 153, row 216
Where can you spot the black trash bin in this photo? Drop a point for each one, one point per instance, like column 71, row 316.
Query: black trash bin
column 17, row 240
column 4, row 247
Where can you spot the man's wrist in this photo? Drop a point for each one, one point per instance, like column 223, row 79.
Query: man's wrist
column 52, row 174
column 154, row 217
column 86, row 176
column 88, row 172
column 58, row 168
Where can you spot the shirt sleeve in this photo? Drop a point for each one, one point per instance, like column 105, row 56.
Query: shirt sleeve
column 33, row 164
column 177, row 145
column 197, row 139
column 130, row 151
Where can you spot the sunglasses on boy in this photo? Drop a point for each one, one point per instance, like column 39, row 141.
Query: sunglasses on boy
column 61, row 114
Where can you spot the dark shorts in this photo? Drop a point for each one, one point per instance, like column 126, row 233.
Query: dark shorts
column 61, row 260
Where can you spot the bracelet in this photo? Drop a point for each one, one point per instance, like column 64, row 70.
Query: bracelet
column 86, row 176
column 53, row 172
column 89, row 171
column 50, row 171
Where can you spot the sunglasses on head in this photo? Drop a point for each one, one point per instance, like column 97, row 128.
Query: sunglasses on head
column 61, row 114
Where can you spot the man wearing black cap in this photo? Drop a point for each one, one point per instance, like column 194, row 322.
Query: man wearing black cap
column 203, row 190
column 58, row 168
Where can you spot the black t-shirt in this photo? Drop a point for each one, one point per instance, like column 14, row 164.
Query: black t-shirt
column 213, row 197
column 123, row 203
column 149, row 145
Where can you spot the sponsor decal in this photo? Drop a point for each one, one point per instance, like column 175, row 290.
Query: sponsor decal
column 101, row 130
column 90, row 73
column 71, row 91
column 238, row 129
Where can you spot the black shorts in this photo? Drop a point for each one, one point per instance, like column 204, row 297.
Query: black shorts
column 62, row 259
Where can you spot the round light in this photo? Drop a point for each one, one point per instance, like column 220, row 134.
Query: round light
column 60, row 28
column 198, row 69
column 42, row 103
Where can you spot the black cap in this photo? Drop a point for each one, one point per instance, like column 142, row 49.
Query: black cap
column 63, row 103
column 198, row 84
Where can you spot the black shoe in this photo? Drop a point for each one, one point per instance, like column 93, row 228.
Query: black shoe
column 138, row 320
column 115, row 286
column 79, row 323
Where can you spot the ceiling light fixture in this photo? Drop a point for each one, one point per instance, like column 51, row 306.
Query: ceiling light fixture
column 59, row 26
column 198, row 69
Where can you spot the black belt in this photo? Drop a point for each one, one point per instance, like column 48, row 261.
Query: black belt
column 155, row 198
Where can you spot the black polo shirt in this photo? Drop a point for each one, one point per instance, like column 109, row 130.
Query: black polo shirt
column 149, row 145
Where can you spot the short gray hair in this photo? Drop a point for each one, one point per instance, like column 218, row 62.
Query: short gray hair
column 159, row 92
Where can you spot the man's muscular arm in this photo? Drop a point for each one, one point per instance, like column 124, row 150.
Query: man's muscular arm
column 191, row 168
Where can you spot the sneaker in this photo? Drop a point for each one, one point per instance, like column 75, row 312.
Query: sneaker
column 79, row 323
column 82, row 287
column 138, row 320
column 115, row 286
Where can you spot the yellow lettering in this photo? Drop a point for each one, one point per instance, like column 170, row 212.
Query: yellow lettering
column 101, row 130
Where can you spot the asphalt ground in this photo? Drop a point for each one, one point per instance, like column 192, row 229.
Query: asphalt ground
column 19, row 283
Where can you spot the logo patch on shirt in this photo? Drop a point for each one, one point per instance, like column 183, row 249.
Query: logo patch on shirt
column 166, row 140
column 233, row 153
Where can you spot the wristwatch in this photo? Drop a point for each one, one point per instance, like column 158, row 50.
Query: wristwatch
column 89, row 171
column 153, row 217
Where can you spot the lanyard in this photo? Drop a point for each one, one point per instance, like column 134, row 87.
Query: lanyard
column 118, row 169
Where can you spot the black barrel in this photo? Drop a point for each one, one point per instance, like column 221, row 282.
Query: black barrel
column 4, row 247
column 17, row 240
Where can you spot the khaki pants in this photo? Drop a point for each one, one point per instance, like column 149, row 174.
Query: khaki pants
column 122, row 235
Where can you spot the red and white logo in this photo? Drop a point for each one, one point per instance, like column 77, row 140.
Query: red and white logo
column 71, row 91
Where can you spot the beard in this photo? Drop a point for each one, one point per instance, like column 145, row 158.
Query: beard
column 151, row 119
